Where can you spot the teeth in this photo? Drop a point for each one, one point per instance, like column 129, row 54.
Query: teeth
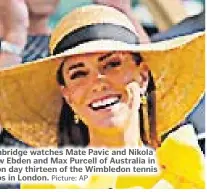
column 104, row 102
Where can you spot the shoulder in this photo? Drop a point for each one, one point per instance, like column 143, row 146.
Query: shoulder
column 181, row 155
column 181, row 140
column 184, row 134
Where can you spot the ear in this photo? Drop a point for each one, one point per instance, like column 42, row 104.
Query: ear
column 65, row 93
column 144, row 76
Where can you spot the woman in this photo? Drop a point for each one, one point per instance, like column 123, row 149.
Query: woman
column 102, row 73
column 76, row 130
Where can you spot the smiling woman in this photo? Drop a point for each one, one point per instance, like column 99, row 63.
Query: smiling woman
column 95, row 86
column 102, row 74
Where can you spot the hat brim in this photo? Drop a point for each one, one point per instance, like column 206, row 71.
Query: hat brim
column 31, row 100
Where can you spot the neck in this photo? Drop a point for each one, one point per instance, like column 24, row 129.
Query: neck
column 39, row 26
column 116, row 137
column 112, row 138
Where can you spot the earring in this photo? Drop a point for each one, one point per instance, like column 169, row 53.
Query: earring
column 143, row 99
column 76, row 119
column 146, row 122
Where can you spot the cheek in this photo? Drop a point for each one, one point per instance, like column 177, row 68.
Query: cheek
column 124, row 76
column 76, row 89
column 77, row 94
column 76, row 102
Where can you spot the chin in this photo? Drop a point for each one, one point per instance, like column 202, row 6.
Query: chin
column 108, row 125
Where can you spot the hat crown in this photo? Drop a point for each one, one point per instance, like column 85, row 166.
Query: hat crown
column 88, row 15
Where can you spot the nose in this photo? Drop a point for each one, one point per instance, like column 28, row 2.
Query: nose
column 101, row 84
column 101, row 76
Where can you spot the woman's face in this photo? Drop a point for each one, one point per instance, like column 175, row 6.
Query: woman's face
column 95, row 87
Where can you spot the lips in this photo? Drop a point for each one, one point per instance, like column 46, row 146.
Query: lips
column 104, row 102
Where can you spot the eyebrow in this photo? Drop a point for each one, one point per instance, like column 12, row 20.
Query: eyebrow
column 101, row 58
column 77, row 65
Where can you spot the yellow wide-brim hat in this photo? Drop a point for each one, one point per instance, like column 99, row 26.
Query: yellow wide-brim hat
column 30, row 99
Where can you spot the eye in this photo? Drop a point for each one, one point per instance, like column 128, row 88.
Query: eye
column 112, row 64
column 78, row 74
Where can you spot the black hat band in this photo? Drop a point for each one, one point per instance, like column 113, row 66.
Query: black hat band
column 95, row 32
